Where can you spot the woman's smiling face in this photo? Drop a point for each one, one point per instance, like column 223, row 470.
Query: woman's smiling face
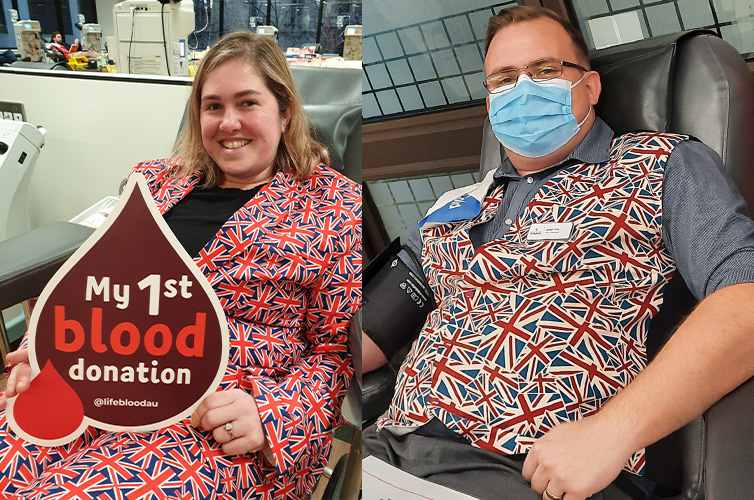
column 241, row 124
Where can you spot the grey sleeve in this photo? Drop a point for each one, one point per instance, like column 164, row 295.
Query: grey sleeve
column 705, row 222
column 412, row 239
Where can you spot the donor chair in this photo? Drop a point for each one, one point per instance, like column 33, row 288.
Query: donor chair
column 697, row 84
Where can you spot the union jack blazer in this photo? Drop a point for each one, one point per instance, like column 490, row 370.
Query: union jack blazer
column 286, row 268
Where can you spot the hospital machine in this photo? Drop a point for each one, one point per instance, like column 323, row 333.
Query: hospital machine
column 352, row 45
column 91, row 37
column 20, row 143
column 269, row 31
column 151, row 36
column 28, row 39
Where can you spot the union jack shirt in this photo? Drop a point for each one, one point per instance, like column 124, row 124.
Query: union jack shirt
column 531, row 332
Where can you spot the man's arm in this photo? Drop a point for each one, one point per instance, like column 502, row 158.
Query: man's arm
column 711, row 238
column 711, row 354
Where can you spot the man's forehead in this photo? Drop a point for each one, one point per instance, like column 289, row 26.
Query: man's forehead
column 524, row 42
column 500, row 62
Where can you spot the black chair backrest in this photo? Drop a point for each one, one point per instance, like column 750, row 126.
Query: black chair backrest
column 332, row 99
column 697, row 84
column 690, row 83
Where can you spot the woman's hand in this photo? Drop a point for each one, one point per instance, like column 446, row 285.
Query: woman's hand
column 238, row 408
column 20, row 376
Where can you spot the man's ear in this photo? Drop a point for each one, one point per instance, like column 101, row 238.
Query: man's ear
column 593, row 86
column 488, row 103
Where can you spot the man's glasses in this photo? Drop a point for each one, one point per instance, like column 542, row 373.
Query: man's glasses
column 546, row 69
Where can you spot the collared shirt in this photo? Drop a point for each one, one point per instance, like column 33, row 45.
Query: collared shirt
column 705, row 225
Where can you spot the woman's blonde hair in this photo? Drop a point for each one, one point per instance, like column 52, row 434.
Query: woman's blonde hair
column 298, row 151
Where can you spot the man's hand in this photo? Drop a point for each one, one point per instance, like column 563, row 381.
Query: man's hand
column 684, row 379
column 20, row 376
column 238, row 408
column 576, row 459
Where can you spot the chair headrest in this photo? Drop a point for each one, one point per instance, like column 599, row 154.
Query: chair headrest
column 637, row 83
column 332, row 99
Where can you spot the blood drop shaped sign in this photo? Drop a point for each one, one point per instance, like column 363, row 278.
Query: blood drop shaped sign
column 129, row 332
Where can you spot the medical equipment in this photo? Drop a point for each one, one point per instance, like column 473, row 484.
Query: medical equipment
column 151, row 37
column 20, row 143
column 91, row 37
column 352, row 46
column 95, row 215
column 269, row 31
column 28, row 39
column 391, row 285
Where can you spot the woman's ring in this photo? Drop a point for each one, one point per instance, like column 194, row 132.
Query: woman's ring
column 551, row 496
column 229, row 428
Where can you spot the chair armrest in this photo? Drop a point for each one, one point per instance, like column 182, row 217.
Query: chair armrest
column 730, row 445
column 30, row 259
column 376, row 392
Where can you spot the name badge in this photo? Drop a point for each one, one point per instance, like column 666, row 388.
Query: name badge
column 550, row 231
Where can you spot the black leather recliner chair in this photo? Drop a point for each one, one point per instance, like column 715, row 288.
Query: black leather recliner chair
column 697, row 84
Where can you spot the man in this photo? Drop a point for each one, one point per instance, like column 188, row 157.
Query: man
column 58, row 45
column 535, row 353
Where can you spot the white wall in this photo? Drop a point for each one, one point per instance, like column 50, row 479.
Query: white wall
column 105, row 17
column 97, row 129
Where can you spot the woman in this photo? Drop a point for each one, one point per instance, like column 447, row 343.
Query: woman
column 250, row 197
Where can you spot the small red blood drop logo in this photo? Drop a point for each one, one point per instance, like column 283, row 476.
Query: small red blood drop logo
column 50, row 409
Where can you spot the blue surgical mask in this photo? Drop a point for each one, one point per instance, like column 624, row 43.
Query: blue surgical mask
column 534, row 119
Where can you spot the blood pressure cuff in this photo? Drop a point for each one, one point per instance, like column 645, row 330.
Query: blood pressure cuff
column 396, row 301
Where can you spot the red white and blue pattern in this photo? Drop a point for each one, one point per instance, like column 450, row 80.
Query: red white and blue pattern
column 529, row 334
column 287, row 270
